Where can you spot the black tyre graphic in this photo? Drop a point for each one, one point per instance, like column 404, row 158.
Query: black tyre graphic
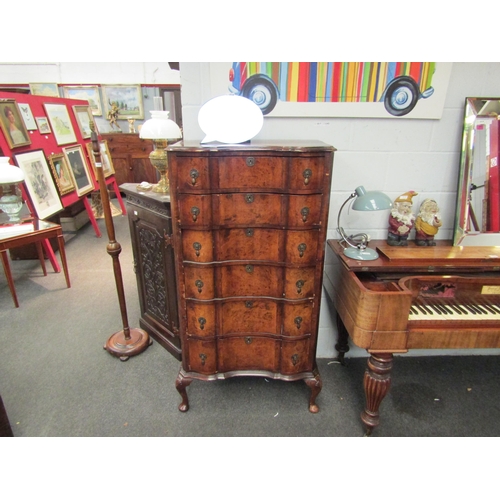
column 262, row 92
column 401, row 96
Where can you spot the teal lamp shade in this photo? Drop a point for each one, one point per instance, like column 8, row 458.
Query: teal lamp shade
column 365, row 201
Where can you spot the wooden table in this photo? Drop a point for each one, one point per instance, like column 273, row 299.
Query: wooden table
column 31, row 231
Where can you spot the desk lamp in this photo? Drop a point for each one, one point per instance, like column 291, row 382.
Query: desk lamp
column 11, row 201
column 162, row 131
column 365, row 201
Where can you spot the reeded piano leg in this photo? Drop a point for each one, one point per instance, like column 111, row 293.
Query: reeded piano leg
column 342, row 345
column 377, row 381
column 181, row 383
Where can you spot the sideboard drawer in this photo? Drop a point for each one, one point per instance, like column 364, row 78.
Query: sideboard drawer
column 250, row 352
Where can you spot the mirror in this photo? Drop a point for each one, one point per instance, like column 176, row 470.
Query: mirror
column 477, row 218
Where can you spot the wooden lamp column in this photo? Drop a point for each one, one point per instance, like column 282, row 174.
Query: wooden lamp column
column 129, row 341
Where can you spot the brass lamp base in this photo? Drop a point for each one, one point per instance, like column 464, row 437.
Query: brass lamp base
column 159, row 160
column 122, row 347
column 162, row 186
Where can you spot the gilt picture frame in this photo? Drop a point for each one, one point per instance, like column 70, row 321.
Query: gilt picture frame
column 60, row 122
column 12, row 124
column 108, row 168
column 62, row 173
column 84, row 118
column 89, row 93
column 80, row 170
column 128, row 99
column 43, row 125
column 46, row 89
column 39, row 183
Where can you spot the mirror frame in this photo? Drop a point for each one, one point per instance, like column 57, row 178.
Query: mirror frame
column 476, row 108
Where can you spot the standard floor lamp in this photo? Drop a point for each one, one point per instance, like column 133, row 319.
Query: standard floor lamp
column 129, row 341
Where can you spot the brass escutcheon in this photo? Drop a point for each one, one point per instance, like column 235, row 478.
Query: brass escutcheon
column 249, row 231
column 248, row 340
column 302, row 248
column 194, row 175
column 250, row 161
column 307, row 175
column 249, row 198
column 197, row 248
column 249, row 304
column 195, row 211
column 295, row 359
column 203, row 358
column 304, row 212
column 249, row 268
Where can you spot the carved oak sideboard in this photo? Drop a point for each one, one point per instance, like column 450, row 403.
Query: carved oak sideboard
column 151, row 235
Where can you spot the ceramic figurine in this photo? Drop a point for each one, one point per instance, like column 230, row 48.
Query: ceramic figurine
column 401, row 220
column 427, row 223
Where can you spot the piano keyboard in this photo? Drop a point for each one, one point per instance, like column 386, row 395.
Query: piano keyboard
column 452, row 310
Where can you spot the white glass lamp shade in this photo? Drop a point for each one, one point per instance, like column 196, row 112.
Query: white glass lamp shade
column 11, row 200
column 230, row 119
column 160, row 126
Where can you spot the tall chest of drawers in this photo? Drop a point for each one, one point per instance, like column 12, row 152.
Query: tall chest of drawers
column 249, row 235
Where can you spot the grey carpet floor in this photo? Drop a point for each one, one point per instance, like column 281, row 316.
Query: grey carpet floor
column 57, row 380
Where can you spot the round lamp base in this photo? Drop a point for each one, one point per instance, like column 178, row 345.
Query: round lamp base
column 361, row 254
column 123, row 348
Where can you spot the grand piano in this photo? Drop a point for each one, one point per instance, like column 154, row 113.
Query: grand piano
column 441, row 297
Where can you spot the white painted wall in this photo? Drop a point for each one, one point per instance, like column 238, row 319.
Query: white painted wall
column 392, row 155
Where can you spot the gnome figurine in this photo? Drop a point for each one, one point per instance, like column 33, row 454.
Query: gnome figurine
column 401, row 220
column 427, row 223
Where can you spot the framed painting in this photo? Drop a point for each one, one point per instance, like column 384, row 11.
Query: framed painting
column 47, row 89
column 84, row 118
column 39, row 183
column 12, row 124
column 127, row 98
column 43, row 125
column 106, row 161
column 62, row 173
column 27, row 116
column 79, row 169
column 89, row 93
column 60, row 123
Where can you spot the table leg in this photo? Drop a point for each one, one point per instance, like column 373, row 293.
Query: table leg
column 50, row 253
column 377, row 381
column 8, row 275
column 62, row 253
column 41, row 257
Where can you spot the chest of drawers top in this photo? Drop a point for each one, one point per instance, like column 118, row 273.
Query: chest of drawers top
column 285, row 167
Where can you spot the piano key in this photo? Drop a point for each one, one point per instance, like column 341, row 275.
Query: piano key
column 453, row 310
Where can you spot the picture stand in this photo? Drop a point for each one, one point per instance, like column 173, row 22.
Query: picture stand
column 129, row 341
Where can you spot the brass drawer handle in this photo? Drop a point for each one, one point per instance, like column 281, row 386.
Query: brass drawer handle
column 307, row 175
column 302, row 248
column 199, row 285
column 299, row 285
column 295, row 359
column 248, row 340
column 298, row 322
column 195, row 211
column 197, row 248
column 250, row 161
column 203, row 358
column 202, row 322
column 304, row 212
column 194, row 175
column 249, row 198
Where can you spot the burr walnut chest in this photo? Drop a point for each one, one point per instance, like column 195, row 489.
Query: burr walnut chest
column 249, row 234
